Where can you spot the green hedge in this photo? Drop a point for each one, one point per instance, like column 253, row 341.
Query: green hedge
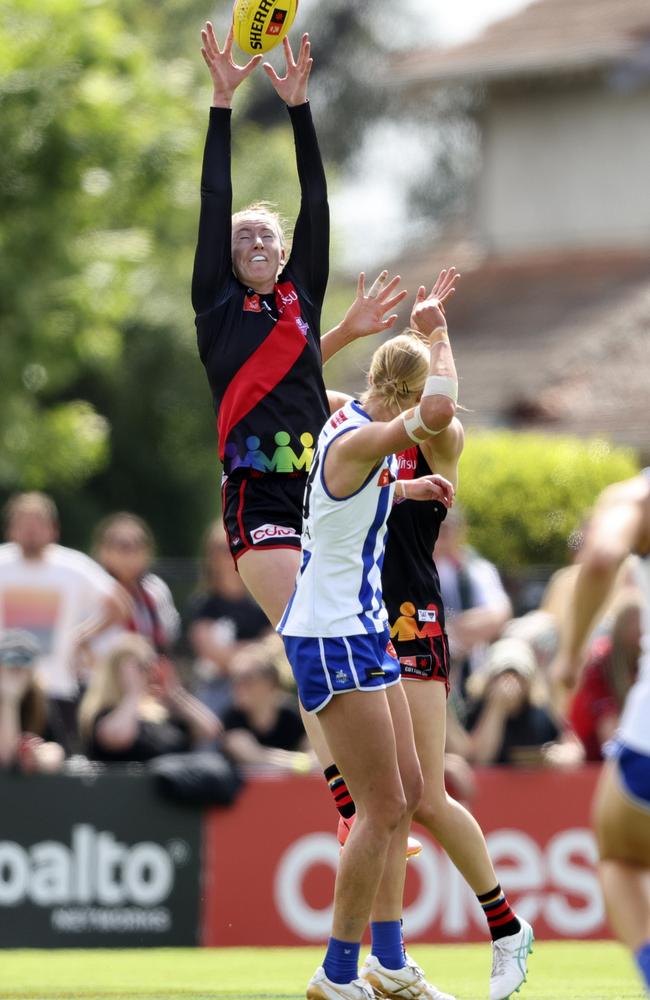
column 524, row 493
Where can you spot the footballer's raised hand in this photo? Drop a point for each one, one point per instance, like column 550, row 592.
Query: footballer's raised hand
column 428, row 313
column 226, row 74
column 292, row 87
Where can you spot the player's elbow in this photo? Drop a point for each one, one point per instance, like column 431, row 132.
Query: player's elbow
column 602, row 558
column 437, row 412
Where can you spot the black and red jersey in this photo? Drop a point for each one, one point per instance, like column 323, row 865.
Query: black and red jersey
column 262, row 352
column 410, row 583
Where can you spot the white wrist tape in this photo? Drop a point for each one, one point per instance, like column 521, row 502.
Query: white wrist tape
column 441, row 385
column 415, row 423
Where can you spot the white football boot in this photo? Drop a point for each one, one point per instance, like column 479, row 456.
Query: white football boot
column 407, row 983
column 322, row 988
column 509, row 961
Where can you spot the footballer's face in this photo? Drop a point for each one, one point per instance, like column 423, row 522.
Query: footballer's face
column 257, row 252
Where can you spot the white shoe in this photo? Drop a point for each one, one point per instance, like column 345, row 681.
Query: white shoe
column 509, row 958
column 407, row 983
column 322, row 988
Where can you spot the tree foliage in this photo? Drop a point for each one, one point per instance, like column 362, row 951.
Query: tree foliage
column 524, row 493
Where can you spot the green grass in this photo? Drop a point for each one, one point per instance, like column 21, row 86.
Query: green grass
column 575, row 971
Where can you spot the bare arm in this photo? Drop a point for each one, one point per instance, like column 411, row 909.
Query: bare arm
column 487, row 736
column 245, row 749
column 620, row 525
column 366, row 445
column 118, row 729
column 14, row 682
column 203, row 724
column 443, row 451
column 502, row 699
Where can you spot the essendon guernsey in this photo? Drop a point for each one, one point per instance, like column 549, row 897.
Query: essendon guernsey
column 262, row 352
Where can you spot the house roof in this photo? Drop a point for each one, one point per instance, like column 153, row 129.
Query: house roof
column 560, row 342
column 547, row 36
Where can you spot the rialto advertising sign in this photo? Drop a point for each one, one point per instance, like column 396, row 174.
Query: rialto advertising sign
column 96, row 862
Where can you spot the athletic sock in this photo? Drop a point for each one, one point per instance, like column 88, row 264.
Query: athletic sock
column 501, row 920
column 342, row 798
column 643, row 961
column 387, row 943
column 341, row 962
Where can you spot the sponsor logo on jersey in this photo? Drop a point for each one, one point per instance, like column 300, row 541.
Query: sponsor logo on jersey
column 427, row 615
column 252, row 304
column 290, row 297
column 270, row 531
column 386, row 477
column 277, row 20
column 338, row 418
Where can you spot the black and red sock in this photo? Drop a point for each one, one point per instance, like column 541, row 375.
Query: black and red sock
column 337, row 786
column 501, row 920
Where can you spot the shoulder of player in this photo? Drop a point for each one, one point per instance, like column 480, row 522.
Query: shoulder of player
column 230, row 294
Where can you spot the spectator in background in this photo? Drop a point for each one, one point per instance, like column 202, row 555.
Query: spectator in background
column 223, row 618
column 263, row 725
column 135, row 707
column 23, row 709
column 124, row 546
column 59, row 596
column 539, row 630
column 476, row 604
column 609, row 673
column 509, row 722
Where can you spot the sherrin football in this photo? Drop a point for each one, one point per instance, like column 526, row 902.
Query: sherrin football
column 259, row 25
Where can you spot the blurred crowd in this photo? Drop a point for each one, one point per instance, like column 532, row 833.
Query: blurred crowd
column 97, row 664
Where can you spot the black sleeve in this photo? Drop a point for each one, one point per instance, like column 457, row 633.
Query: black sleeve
column 309, row 261
column 213, row 261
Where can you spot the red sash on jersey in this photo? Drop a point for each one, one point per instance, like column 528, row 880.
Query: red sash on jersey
column 267, row 366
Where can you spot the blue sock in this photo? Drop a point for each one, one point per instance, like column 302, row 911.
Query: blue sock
column 387, row 943
column 643, row 961
column 341, row 962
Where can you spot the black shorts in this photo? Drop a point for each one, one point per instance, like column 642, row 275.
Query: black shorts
column 424, row 657
column 263, row 512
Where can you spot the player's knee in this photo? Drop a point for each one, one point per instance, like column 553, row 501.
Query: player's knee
column 389, row 811
column 431, row 810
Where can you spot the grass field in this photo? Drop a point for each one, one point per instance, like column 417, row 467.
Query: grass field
column 575, row 971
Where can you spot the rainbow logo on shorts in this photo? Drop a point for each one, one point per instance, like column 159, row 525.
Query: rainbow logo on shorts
column 282, row 459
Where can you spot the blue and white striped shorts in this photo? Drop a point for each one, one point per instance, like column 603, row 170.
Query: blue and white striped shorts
column 325, row 667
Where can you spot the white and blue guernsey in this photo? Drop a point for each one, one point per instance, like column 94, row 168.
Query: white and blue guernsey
column 335, row 627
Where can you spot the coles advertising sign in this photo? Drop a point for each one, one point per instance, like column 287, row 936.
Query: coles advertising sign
column 270, row 863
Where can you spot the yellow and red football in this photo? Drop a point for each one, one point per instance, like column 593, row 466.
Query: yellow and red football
column 260, row 24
